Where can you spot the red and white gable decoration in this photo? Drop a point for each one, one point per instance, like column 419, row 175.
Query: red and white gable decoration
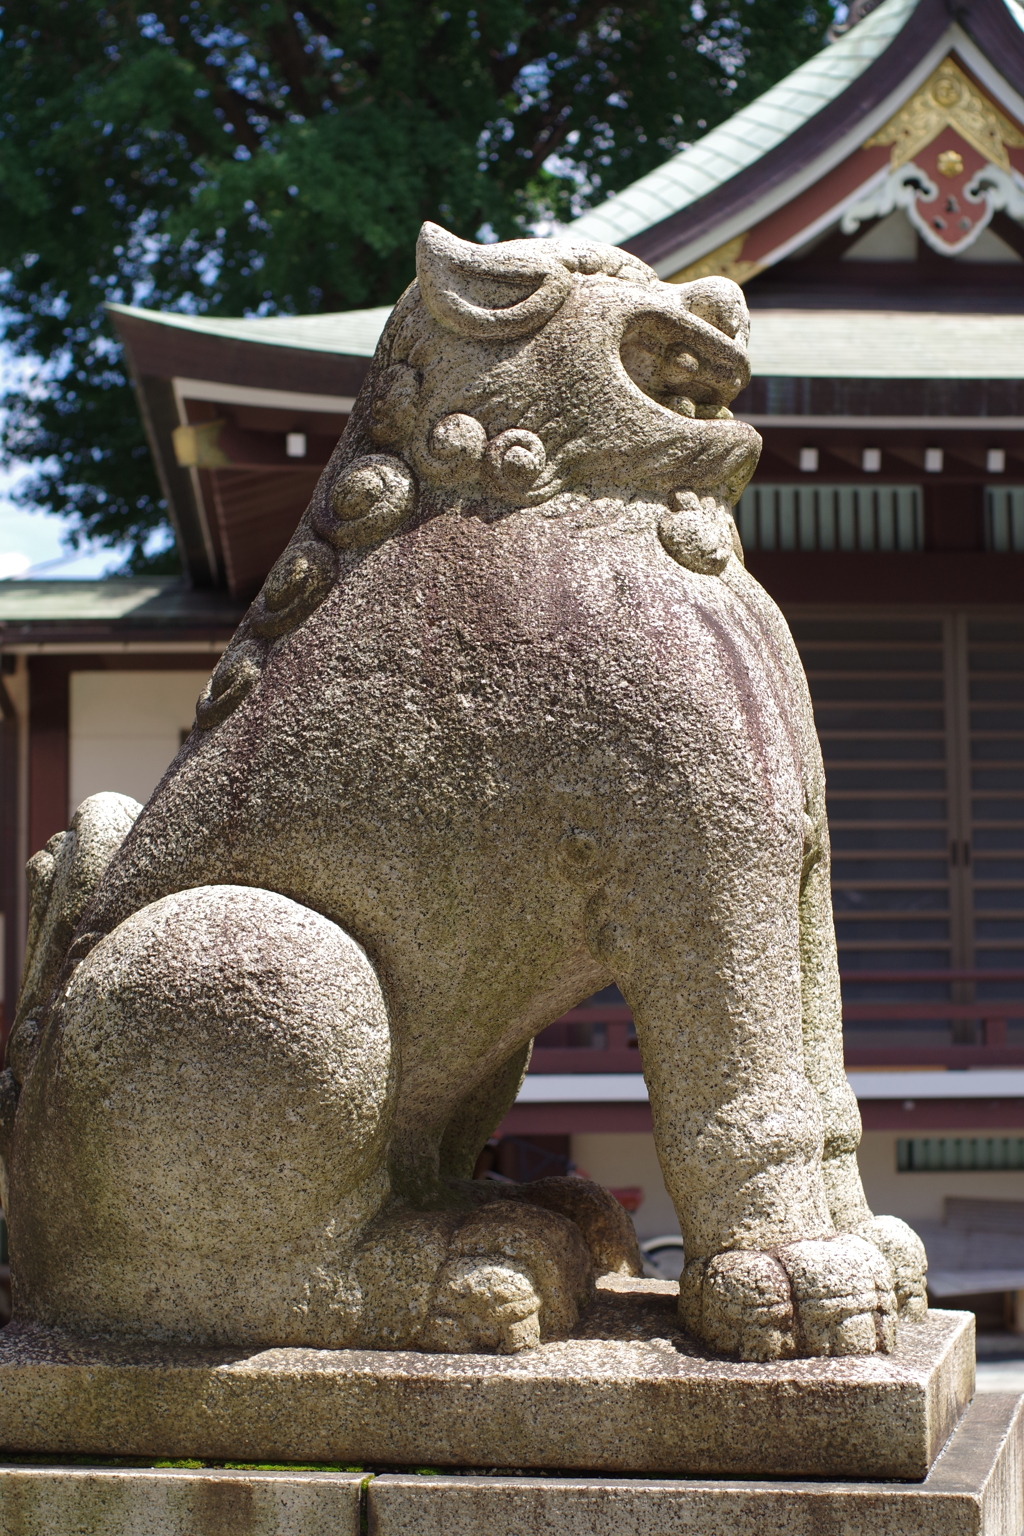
column 949, row 165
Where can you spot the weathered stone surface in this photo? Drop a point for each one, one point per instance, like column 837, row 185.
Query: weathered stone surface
column 976, row 1488
column 116, row 1501
column 629, row 1392
column 61, row 879
column 508, row 722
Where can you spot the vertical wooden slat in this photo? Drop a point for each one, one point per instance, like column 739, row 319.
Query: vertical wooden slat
column 869, row 518
column 995, row 672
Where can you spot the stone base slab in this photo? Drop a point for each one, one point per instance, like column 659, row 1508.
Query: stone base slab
column 122, row 1501
column 629, row 1392
column 976, row 1488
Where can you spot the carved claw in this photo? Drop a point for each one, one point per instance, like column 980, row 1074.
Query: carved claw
column 514, row 1274
column 822, row 1296
column 907, row 1260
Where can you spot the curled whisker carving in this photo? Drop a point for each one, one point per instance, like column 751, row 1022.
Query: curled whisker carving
column 368, row 502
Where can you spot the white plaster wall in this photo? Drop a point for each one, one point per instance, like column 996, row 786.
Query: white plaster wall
column 628, row 1158
column 921, row 1195
column 125, row 727
column 621, row 1160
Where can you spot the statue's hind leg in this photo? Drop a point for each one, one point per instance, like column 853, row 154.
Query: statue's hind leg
column 604, row 1225
column 200, row 1152
column 205, row 1123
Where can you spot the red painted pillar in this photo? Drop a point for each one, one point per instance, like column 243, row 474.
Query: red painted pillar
column 47, row 749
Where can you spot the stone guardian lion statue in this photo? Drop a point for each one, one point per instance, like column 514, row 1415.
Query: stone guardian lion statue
column 508, row 722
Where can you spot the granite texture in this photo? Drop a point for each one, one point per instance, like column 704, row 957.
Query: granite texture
column 508, row 722
column 976, row 1488
column 123, row 1501
column 629, row 1392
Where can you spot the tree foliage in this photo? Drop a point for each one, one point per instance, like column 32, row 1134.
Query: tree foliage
column 260, row 158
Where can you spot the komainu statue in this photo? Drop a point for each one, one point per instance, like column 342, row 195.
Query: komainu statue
column 509, row 722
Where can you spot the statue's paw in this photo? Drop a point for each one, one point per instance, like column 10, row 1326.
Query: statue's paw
column 606, row 1226
column 514, row 1275
column 907, row 1259
column 822, row 1296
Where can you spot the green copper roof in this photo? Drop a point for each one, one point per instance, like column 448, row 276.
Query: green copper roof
column 784, row 343
column 350, row 333
column 132, row 599
column 884, row 344
column 748, row 135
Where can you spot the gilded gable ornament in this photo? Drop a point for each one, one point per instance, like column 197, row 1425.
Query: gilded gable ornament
column 948, row 99
column 724, row 261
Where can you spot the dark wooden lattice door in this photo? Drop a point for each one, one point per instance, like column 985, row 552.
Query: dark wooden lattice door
column 921, row 720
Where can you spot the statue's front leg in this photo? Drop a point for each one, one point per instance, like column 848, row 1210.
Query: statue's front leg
column 706, row 951
column 823, row 1062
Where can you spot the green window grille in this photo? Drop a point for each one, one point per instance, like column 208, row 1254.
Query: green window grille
column 959, row 1154
column 1004, row 518
column 877, row 518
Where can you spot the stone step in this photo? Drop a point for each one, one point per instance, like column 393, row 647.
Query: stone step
column 975, row 1488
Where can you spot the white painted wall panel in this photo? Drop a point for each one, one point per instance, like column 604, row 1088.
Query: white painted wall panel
column 919, row 1196
column 125, row 727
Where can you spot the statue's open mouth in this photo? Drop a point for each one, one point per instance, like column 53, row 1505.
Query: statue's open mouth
column 683, row 362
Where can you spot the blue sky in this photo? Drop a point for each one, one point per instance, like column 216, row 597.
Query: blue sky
column 30, row 543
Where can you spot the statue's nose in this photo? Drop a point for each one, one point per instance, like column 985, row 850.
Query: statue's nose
column 721, row 303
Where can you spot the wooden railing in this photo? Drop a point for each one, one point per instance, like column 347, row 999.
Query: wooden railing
column 609, row 1044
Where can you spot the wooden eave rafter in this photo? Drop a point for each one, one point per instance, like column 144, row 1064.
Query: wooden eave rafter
column 164, row 351
column 180, row 374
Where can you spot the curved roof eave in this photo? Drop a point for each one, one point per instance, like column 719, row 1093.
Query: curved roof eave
column 748, row 135
column 349, row 333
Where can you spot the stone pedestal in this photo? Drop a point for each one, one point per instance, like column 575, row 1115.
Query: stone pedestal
column 139, row 1501
column 628, row 1393
column 975, row 1488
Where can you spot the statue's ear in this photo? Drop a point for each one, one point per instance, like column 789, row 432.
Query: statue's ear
column 489, row 292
